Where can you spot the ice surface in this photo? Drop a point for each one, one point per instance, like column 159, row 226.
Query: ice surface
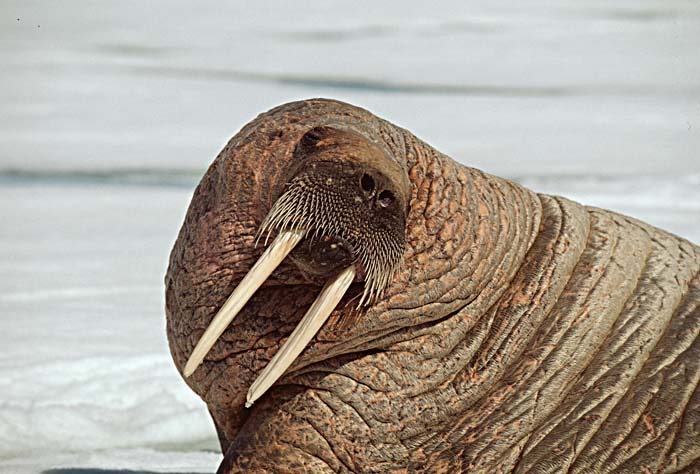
column 114, row 461
column 110, row 112
column 560, row 87
column 85, row 365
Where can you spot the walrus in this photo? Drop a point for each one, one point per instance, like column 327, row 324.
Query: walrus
column 347, row 299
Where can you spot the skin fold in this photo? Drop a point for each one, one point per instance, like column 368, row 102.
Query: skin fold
column 520, row 332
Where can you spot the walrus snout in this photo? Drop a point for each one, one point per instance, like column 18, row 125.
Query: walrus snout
column 342, row 186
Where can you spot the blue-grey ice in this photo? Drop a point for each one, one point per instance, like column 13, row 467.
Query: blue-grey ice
column 110, row 112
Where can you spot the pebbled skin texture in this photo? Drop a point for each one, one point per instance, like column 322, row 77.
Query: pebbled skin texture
column 523, row 333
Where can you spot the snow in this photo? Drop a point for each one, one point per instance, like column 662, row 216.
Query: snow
column 85, row 364
column 115, row 461
column 110, row 112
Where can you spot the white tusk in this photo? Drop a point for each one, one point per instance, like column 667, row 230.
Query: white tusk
column 266, row 264
column 301, row 336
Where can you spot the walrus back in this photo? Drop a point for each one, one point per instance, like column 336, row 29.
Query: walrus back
column 635, row 406
column 607, row 379
column 627, row 324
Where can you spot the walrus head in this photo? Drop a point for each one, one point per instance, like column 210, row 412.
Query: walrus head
column 355, row 259
column 342, row 215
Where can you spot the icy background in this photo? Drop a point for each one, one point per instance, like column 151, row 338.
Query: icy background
column 111, row 111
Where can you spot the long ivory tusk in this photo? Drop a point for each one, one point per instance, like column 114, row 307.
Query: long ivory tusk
column 301, row 336
column 266, row 264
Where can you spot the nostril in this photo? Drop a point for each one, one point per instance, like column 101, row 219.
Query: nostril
column 367, row 183
column 385, row 198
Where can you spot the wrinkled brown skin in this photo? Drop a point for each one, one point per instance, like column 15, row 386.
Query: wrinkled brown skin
column 522, row 333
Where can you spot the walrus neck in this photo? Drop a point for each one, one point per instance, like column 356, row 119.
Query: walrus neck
column 467, row 233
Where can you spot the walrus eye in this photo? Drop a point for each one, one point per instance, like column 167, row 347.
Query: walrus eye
column 311, row 138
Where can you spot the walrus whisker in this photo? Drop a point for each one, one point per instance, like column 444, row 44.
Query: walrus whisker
column 303, row 206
